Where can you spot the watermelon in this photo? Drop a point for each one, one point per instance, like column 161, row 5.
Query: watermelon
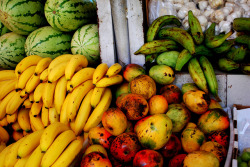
column 11, row 50
column 47, row 42
column 67, row 15
column 85, row 41
column 22, row 16
column 3, row 29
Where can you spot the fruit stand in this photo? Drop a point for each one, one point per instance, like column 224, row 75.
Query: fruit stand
column 124, row 83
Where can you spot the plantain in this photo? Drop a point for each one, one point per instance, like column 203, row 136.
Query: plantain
column 195, row 28
column 241, row 24
column 226, row 64
column 237, row 54
column 203, row 50
column 224, row 47
column 245, row 68
column 182, row 59
column 243, row 39
column 216, row 41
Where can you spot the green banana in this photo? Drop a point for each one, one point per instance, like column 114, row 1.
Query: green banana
column 210, row 77
column 226, row 64
column 210, row 32
column 241, row 24
column 159, row 23
column 197, row 74
column 157, row 46
column 224, row 47
column 195, row 27
column 245, row 68
column 216, row 41
column 237, row 54
column 151, row 58
column 243, row 39
column 179, row 35
column 182, row 59
column 203, row 50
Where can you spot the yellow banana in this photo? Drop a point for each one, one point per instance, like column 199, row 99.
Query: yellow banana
column 113, row 70
column 96, row 116
column 29, row 144
column 24, row 119
column 4, row 135
column 96, row 96
column 53, row 115
column 75, row 61
column 39, row 92
column 4, row 82
column 21, row 162
column 45, row 116
column 60, row 93
column 27, row 103
column 48, row 94
column 50, row 133
column 80, row 77
column 35, row 158
column 3, row 154
column 23, row 93
column 4, row 103
column 2, row 146
column 12, row 118
column 7, row 88
column 57, row 72
column 105, row 82
column 15, row 102
column 44, row 76
column 59, row 60
column 100, row 72
column 36, row 108
column 69, row 154
column 83, row 113
column 24, row 77
column 7, row 75
column 26, row 133
column 63, row 114
column 42, row 65
column 72, row 125
column 76, row 98
column 36, row 122
column 31, row 97
column 17, row 135
column 32, row 83
column 57, row 147
column 16, row 127
column 4, row 122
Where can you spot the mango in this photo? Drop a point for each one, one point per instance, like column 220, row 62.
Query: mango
column 168, row 58
column 162, row 74
column 188, row 86
column 217, row 149
column 133, row 70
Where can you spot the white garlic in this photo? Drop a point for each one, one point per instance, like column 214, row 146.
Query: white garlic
column 225, row 26
column 196, row 12
column 203, row 20
column 232, row 1
column 208, row 24
column 207, row 13
column 230, row 18
column 169, row 1
column 245, row 7
column 203, row 5
column 190, row 5
column 178, row 6
column 178, row 1
column 185, row 1
column 248, row 2
column 185, row 24
column 246, row 14
column 235, row 15
column 216, row 3
column 203, row 28
column 217, row 16
column 229, row 4
column 209, row 8
column 197, row 1
column 182, row 13
column 217, row 29
column 242, row 1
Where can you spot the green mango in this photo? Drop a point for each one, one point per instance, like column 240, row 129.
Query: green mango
column 245, row 156
column 162, row 74
column 168, row 58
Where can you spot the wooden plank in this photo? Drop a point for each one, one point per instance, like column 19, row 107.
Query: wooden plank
column 106, row 36
column 136, row 30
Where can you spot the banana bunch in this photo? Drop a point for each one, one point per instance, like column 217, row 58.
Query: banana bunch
column 56, row 145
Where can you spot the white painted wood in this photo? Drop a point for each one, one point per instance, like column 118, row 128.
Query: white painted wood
column 106, row 35
column 136, row 32
column 119, row 8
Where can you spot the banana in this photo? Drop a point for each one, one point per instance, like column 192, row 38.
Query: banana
column 26, row 62
column 197, row 74
column 237, row 54
column 243, row 39
column 31, row 97
column 57, row 147
column 60, row 93
column 182, row 59
column 7, row 75
column 42, row 65
column 3, row 122
column 100, row 72
column 17, row 135
column 44, row 76
column 105, row 82
column 226, row 64
column 29, row 144
column 15, row 102
column 224, row 47
column 74, row 63
column 36, row 108
column 63, row 115
column 2, row 146
column 157, row 46
column 7, row 88
column 72, row 125
column 4, row 103
column 69, row 154
column 76, row 97
column 27, row 103
column 32, row 83
column 24, row 77
column 241, row 24
column 38, row 93
column 83, row 113
column 57, row 72
column 195, row 28
column 96, row 116
column 150, row 59
column 16, row 127
column 48, row 94
column 113, row 70
column 26, row 133
column 24, row 120
column 45, row 116
column 3, row 154
column 210, row 32
column 53, row 115
column 50, row 133
column 12, row 118
column 36, row 122
column 80, row 77
column 23, row 93
column 210, row 76
column 179, row 35
column 158, row 23
column 35, row 158
column 216, row 41
column 245, row 68
column 21, row 162
column 4, row 135
column 59, row 60
column 96, row 96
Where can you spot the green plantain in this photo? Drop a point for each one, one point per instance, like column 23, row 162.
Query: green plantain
column 241, row 24
column 195, row 27
column 243, row 39
column 226, row 64
column 203, row 50
column 216, row 41
column 237, row 54
column 224, row 47
column 182, row 59
column 245, row 68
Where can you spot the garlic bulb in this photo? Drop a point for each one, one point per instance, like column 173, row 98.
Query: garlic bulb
column 245, row 7
column 232, row 1
column 229, row 4
column 185, row 1
column 217, row 30
column 196, row 12
column 227, row 10
column 190, row 5
column 178, row 1
column 203, row 5
column 225, row 26
column 178, row 6
column 216, row 3
column 208, row 24
column 203, row 20
column 242, row 1
column 207, row 13
column 246, row 14
column 203, row 28
column 217, row 16
column 185, row 23
column 182, row 13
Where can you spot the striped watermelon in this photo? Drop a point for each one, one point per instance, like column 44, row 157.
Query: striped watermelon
column 65, row 15
column 3, row 29
column 47, row 42
column 11, row 50
column 85, row 41
column 22, row 16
